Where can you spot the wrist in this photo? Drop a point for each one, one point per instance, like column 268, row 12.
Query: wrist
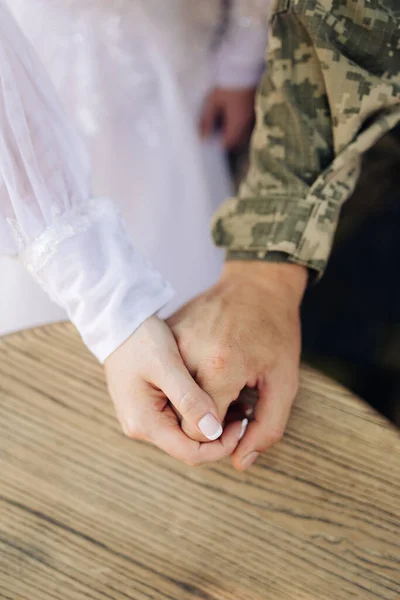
column 287, row 280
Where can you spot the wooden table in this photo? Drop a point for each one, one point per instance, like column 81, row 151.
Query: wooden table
column 88, row 514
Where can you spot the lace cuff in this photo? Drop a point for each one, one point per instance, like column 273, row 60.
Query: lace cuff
column 86, row 263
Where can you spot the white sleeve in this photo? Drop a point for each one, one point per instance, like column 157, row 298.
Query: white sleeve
column 239, row 60
column 76, row 247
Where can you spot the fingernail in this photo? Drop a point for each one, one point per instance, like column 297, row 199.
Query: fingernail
column 210, row 427
column 249, row 460
column 245, row 422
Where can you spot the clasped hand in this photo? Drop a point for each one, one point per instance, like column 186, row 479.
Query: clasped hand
column 173, row 383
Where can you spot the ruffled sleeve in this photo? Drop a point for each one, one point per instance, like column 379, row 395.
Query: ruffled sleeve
column 75, row 246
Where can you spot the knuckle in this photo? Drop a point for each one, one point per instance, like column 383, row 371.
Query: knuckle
column 274, row 436
column 132, row 431
column 221, row 358
column 187, row 404
column 132, row 428
column 217, row 379
column 192, row 461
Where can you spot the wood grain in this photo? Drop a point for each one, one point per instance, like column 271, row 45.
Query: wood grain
column 88, row 514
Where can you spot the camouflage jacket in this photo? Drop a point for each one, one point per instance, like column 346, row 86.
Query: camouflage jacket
column 330, row 91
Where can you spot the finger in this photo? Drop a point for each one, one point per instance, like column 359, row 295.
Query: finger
column 271, row 414
column 194, row 405
column 224, row 388
column 209, row 118
column 167, row 435
column 234, row 130
column 232, row 127
column 237, row 411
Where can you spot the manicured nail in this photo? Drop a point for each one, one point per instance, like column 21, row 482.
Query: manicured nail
column 245, row 422
column 249, row 460
column 210, row 427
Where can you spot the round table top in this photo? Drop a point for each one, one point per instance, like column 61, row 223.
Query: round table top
column 87, row 514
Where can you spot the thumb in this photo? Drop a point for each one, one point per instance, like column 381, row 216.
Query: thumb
column 277, row 391
column 195, row 406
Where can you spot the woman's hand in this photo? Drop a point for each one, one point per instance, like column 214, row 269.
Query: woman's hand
column 152, row 391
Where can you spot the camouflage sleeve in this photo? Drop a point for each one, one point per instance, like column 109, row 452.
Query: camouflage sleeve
column 331, row 89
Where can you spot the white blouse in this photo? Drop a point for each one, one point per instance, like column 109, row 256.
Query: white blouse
column 76, row 246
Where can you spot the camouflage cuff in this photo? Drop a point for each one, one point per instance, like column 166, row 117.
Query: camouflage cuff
column 274, row 257
column 277, row 229
column 278, row 257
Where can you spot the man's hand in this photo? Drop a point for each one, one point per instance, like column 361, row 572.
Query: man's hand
column 149, row 385
column 234, row 108
column 245, row 331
